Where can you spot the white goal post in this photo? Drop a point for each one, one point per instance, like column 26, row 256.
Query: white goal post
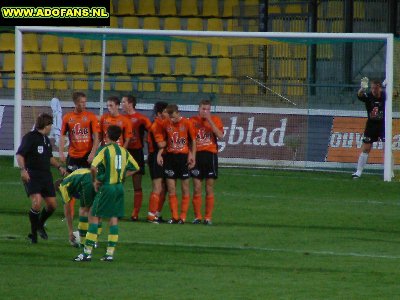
column 388, row 39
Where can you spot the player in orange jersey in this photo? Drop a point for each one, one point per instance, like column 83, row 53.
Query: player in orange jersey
column 156, row 139
column 208, row 130
column 140, row 124
column 179, row 159
column 82, row 128
column 113, row 117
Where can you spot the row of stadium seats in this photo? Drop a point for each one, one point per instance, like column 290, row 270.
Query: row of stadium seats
column 205, row 8
column 80, row 64
column 154, row 84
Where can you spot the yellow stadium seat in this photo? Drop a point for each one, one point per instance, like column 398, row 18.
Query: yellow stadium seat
column 178, row 48
column 30, row 42
column 80, row 82
column 299, row 51
column 146, row 84
column 58, row 82
column 37, row 82
column 75, row 64
column 1, row 82
column 231, row 86
column 250, row 89
column 219, row 50
column 50, row 44
column 199, row 49
column 189, row 8
column 224, row 67
column 294, row 89
column 195, row 24
column 321, row 26
column 210, row 85
column 151, row 23
column 94, row 64
column 97, row 83
column 324, row 51
column 168, row 85
column 281, row 50
column 293, row 9
column 92, row 46
column 125, row 7
column 298, row 26
column 7, row 42
column 337, row 26
column 183, row 66
column 123, row 83
column 210, row 8
column 246, row 67
column 8, row 62
column 114, row 23
column 114, row 47
column 167, row 8
column 134, row 46
column 274, row 9
column 118, row 65
column 54, row 63
column 203, row 67
column 156, row 48
column 278, row 25
column 214, row 24
column 335, row 9
column 240, row 50
column 231, row 8
column 301, row 66
column 359, row 10
column 190, row 85
column 172, row 23
column 162, row 66
column 130, row 22
column 139, row 65
column 146, row 8
column 71, row 45
column 286, row 69
column 32, row 63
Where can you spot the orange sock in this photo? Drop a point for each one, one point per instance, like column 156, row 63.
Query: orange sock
column 137, row 202
column 161, row 201
column 173, row 205
column 184, row 207
column 209, row 207
column 153, row 205
column 197, row 206
column 72, row 207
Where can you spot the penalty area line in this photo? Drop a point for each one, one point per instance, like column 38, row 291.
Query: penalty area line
column 224, row 247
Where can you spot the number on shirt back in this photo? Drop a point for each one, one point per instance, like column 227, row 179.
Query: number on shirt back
column 118, row 162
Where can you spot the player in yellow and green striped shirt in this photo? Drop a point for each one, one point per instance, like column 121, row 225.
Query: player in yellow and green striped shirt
column 109, row 168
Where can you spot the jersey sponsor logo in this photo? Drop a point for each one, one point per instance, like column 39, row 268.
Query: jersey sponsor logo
column 78, row 130
column 195, row 172
column 40, row 149
column 169, row 172
column 203, row 137
column 177, row 142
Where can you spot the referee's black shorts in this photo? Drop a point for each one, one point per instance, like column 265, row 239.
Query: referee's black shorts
column 206, row 165
column 41, row 183
column 156, row 171
column 374, row 131
column 175, row 166
column 138, row 155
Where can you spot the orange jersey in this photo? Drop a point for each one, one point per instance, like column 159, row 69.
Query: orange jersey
column 121, row 121
column 205, row 137
column 178, row 135
column 80, row 128
column 155, row 135
column 139, row 124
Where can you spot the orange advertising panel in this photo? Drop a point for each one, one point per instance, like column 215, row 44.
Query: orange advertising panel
column 346, row 141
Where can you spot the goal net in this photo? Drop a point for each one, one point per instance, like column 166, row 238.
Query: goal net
column 287, row 100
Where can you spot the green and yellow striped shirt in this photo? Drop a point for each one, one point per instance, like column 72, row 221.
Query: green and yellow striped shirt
column 112, row 162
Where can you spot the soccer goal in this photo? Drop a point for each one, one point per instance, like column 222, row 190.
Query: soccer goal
column 287, row 100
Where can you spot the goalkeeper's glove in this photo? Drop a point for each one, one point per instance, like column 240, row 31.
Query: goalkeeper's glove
column 364, row 83
column 384, row 83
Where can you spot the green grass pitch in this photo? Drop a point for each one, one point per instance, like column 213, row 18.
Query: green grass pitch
column 276, row 235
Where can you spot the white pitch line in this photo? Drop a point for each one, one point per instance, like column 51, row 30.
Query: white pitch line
column 237, row 248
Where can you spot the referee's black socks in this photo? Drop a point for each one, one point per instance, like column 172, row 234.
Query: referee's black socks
column 34, row 218
column 44, row 215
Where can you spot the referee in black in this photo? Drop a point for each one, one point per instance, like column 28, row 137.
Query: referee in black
column 34, row 157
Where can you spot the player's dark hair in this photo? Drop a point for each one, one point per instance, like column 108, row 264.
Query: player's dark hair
column 131, row 99
column 114, row 99
column 205, row 102
column 114, row 132
column 376, row 82
column 171, row 108
column 159, row 107
column 77, row 95
column 43, row 120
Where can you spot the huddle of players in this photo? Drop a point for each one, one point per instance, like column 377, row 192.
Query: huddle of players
column 177, row 146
